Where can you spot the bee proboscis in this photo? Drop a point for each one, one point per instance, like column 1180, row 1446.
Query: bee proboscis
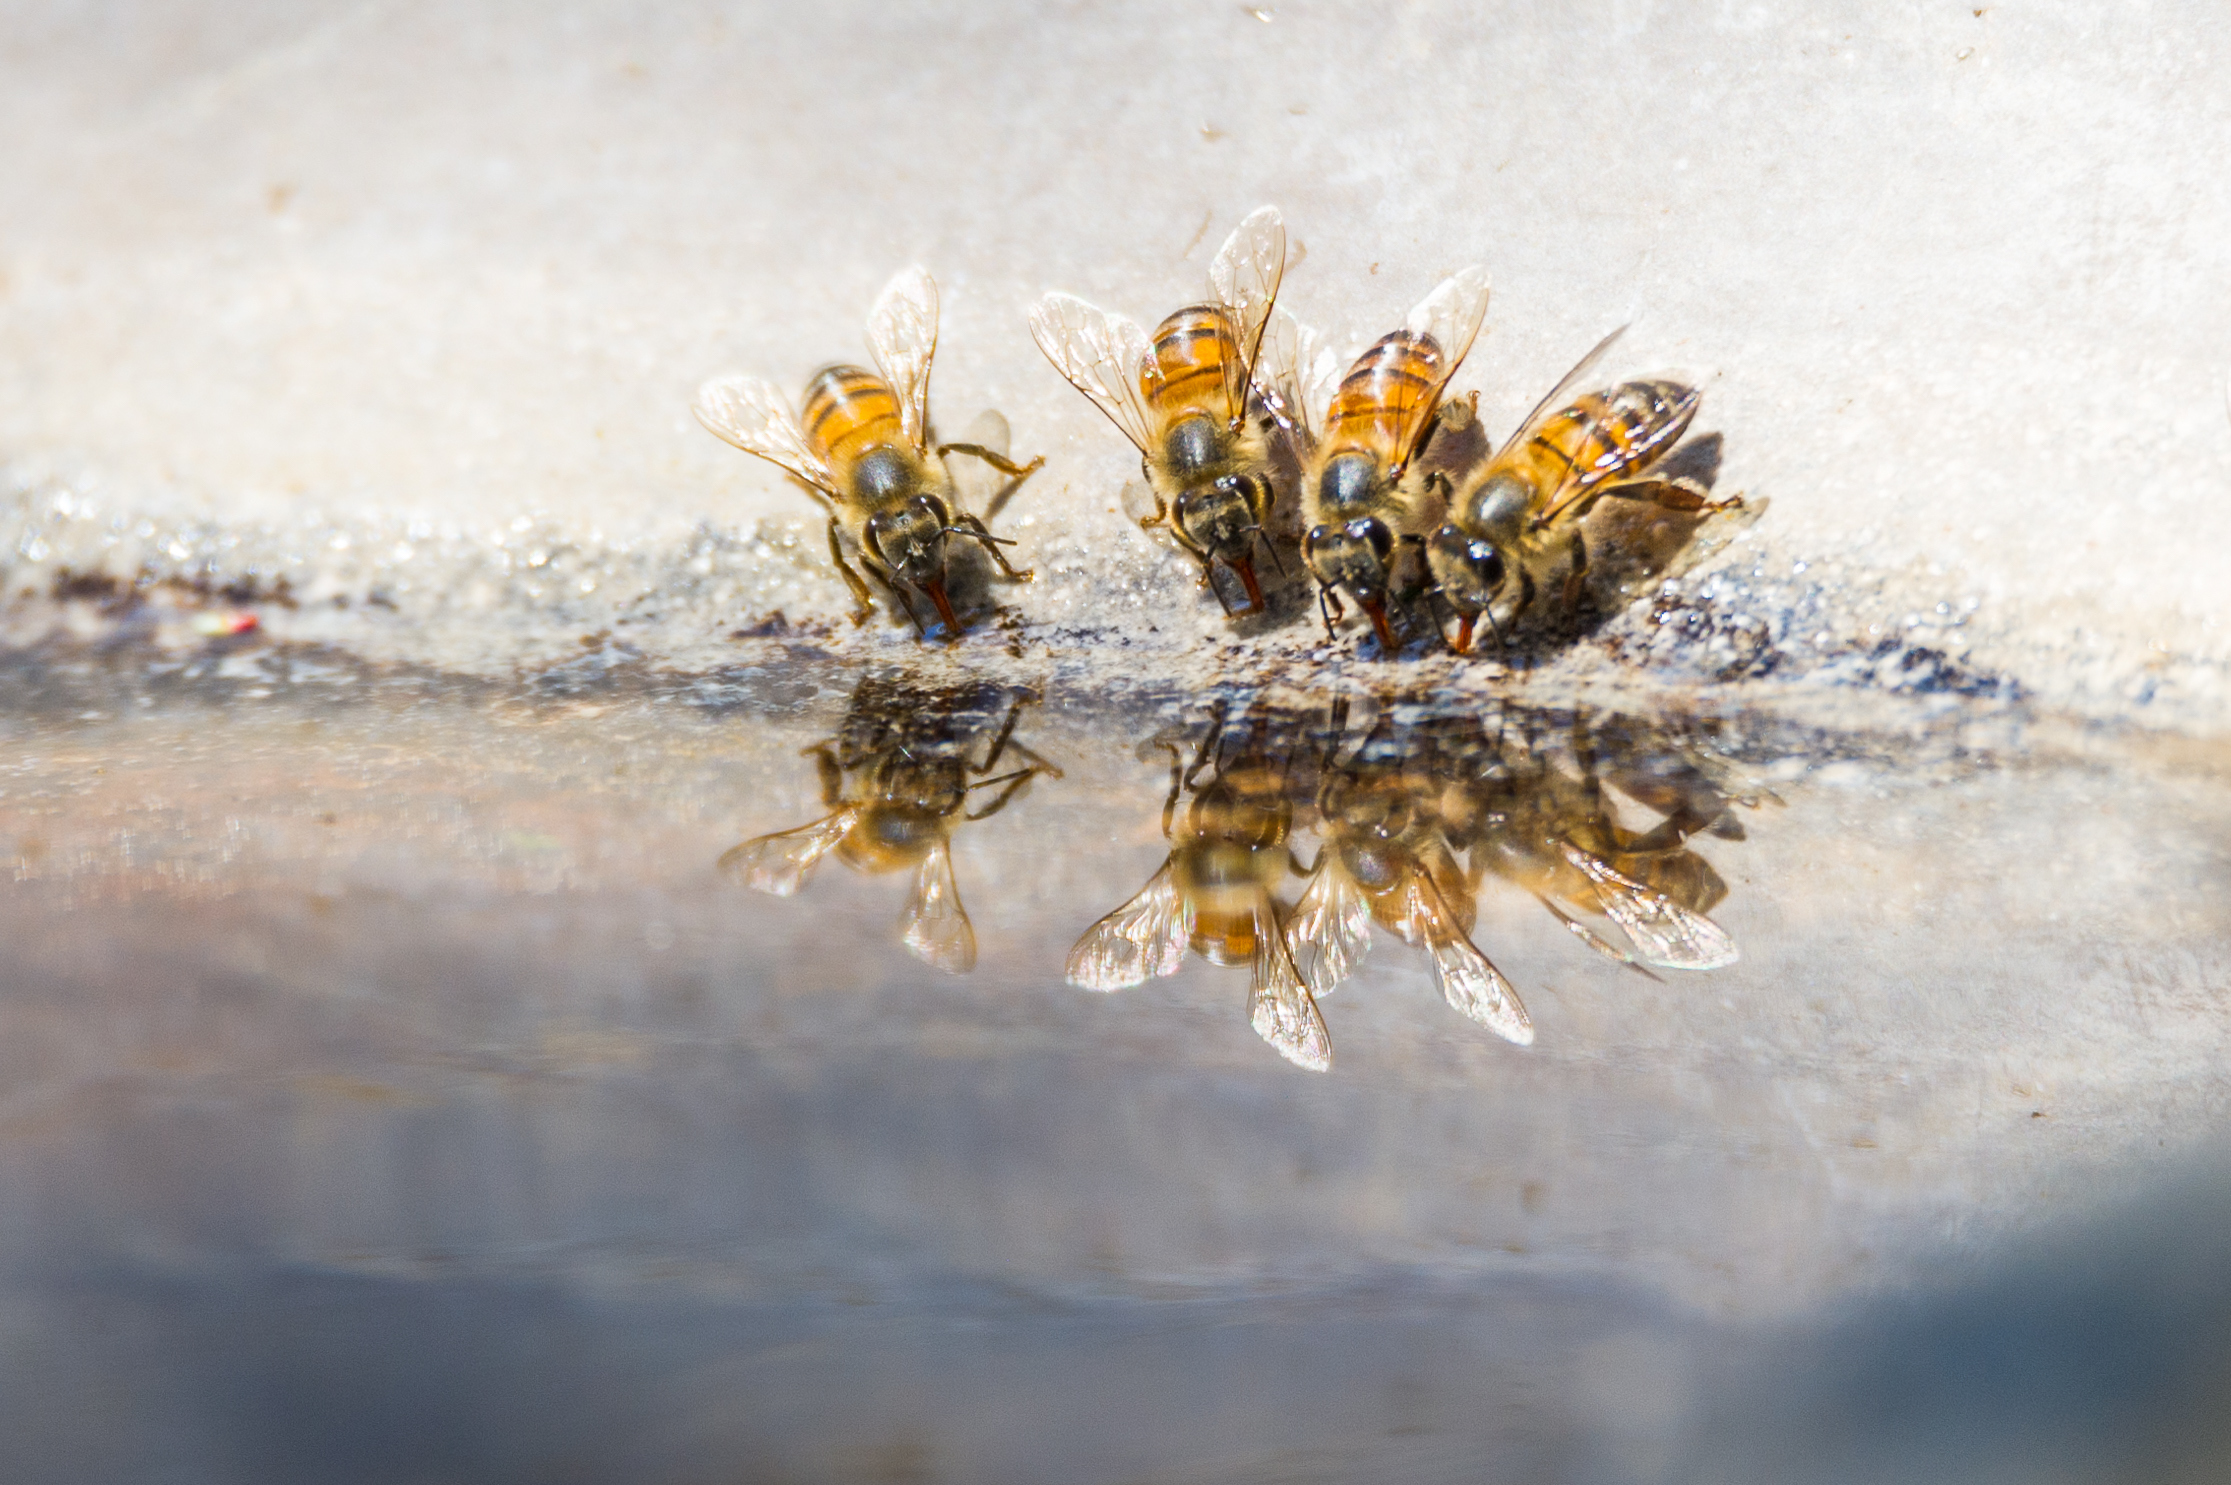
column 1513, row 530
column 865, row 450
column 1185, row 398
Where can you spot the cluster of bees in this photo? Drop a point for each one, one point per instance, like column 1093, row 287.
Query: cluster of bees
column 1409, row 818
column 1250, row 445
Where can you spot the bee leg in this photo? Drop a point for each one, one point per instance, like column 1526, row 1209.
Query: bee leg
column 1006, row 731
column 860, row 594
column 1177, row 786
column 832, row 775
column 1014, row 782
column 1329, row 609
column 1576, row 581
column 1674, row 495
column 1017, row 473
column 973, row 526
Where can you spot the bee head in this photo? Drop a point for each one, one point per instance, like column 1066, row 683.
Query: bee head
column 1469, row 570
column 1357, row 555
column 1222, row 516
column 910, row 539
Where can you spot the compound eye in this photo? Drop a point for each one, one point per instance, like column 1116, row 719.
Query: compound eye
column 1486, row 561
column 936, row 509
column 1316, row 536
column 1373, row 533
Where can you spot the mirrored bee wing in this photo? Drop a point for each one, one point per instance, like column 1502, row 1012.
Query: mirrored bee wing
column 1468, row 981
column 934, row 928
column 1295, row 376
column 1144, row 939
column 1330, row 930
column 751, row 414
column 902, row 337
column 1244, row 278
column 781, row 863
column 1593, row 939
column 1279, row 1005
column 1667, row 934
column 1105, row 356
column 1451, row 315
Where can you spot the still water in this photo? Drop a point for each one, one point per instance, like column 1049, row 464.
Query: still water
column 965, row 1071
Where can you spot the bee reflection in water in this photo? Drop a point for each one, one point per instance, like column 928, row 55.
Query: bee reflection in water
column 897, row 780
column 1410, row 817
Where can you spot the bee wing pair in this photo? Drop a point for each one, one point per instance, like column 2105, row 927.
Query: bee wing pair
column 1665, row 933
column 754, row 415
column 1330, row 932
column 934, row 927
column 1578, row 479
column 1146, row 938
column 1109, row 358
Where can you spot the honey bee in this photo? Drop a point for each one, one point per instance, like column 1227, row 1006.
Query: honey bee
column 865, row 451
column 1386, row 818
column 896, row 780
column 1214, row 894
column 1513, row 531
column 1185, row 398
column 1553, row 833
column 1360, row 496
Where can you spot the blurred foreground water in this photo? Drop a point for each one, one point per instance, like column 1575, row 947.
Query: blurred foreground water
column 396, row 1085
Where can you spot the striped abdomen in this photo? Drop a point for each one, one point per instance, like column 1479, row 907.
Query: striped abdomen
column 1611, row 435
column 1193, row 349
column 850, row 411
column 1386, row 397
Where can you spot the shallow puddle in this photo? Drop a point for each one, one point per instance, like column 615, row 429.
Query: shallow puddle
column 410, row 1078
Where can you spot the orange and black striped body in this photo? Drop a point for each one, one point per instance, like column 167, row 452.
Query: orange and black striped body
column 1198, row 356
column 851, row 413
column 1209, row 465
column 1385, row 396
column 1354, row 508
column 1604, row 437
column 895, row 504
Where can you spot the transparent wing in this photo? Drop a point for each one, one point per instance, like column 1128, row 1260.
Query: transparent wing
column 1593, row 939
column 755, row 417
column 1105, row 356
column 1141, row 940
column 783, row 862
column 1330, row 930
column 1667, row 934
column 902, row 336
column 1652, row 414
column 935, row 927
column 1244, row 278
column 1451, row 315
column 1562, row 393
column 1295, row 375
column 1467, row 980
column 1279, row 1005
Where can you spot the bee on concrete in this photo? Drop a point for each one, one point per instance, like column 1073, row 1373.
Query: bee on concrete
column 1513, row 536
column 1187, row 399
column 1361, row 495
column 896, row 780
column 1215, row 892
column 865, row 450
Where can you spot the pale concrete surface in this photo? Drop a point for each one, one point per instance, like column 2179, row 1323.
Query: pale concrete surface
column 363, row 286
